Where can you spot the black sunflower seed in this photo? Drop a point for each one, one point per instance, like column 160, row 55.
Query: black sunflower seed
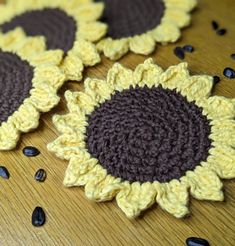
column 229, row 73
column 179, row 52
column 233, row 56
column 4, row 172
column 216, row 79
column 30, row 151
column 38, row 217
column 215, row 25
column 188, row 48
column 195, row 241
column 40, row 175
column 221, row 32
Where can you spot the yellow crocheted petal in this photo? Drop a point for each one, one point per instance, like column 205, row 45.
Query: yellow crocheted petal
column 48, row 74
column 31, row 47
column 114, row 49
column 67, row 145
column 96, row 175
column 86, row 51
column 217, row 107
column 174, row 76
column 173, row 197
column 44, row 97
column 92, row 31
column 73, row 4
column 142, row 44
column 70, row 123
column 147, row 73
column 41, row 4
column 9, row 136
column 166, row 32
column 222, row 161
column 10, row 41
column 178, row 16
column 83, row 101
column 223, row 131
column 6, row 12
column 72, row 102
column 72, row 67
column 204, row 184
column 186, row 5
column 26, row 117
column 20, row 5
column 134, row 198
column 98, row 89
column 79, row 170
column 49, row 57
column 89, row 11
column 197, row 87
column 119, row 77
column 102, row 188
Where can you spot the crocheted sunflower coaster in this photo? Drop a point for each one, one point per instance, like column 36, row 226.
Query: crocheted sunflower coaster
column 70, row 26
column 137, row 25
column 29, row 80
column 148, row 136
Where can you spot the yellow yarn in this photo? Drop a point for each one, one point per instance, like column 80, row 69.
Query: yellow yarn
column 176, row 16
column 173, row 196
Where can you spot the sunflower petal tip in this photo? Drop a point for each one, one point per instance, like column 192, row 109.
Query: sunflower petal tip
column 68, row 95
column 183, row 65
column 50, row 146
column 56, row 118
column 192, row 4
column 68, row 180
column 149, row 61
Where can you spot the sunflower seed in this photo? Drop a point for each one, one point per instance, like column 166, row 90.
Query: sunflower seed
column 40, row 175
column 4, row 172
column 215, row 25
column 216, row 79
column 30, row 151
column 233, row 56
column 229, row 73
column 221, row 32
column 188, row 48
column 195, row 241
column 38, row 217
column 179, row 52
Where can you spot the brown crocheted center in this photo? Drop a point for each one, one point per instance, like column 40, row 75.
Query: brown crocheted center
column 145, row 134
column 127, row 18
column 15, row 83
column 54, row 24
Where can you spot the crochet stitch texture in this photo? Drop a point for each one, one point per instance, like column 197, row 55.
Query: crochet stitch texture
column 147, row 136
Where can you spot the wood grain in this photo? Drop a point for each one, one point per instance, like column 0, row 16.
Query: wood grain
column 71, row 218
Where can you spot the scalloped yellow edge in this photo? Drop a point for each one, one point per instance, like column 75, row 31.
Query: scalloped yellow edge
column 85, row 13
column 176, row 16
column 48, row 78
column 203, row 183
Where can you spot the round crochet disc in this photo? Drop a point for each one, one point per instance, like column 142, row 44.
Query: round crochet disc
column 127, row 18
column 15, row 83
column 137, row 25
column 55, row 25
column 145, row 134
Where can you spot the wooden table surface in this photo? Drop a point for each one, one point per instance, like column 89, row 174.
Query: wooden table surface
column 71, row 218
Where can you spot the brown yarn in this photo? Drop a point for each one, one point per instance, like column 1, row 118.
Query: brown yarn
column 127, row 18
column 54, row 24
column 147, row 134
column 15, row 83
